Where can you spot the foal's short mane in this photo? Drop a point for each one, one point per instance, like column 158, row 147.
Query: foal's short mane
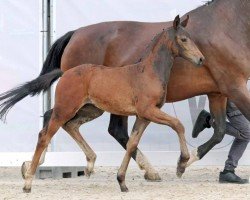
column 209, row 2
column 152, row 44
column 158, row 36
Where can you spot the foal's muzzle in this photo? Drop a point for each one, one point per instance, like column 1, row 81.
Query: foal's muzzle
column 201, row 61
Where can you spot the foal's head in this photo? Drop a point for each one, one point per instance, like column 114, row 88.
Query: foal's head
column 183, row 45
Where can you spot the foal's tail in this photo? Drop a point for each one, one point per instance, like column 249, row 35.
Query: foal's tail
column 41, row 83
column 49, row 74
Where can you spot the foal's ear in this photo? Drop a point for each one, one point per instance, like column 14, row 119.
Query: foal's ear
column 185, row 22
column 176, row 22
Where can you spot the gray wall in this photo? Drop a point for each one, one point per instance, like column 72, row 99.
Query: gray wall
column 19, row 62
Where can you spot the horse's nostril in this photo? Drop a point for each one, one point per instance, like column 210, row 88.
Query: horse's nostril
column 201, row 61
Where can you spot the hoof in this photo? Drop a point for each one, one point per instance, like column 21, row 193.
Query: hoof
column 154, row 177
column 25, row 190
column 24, row 168
column 87, row 173
column 124, row 189
column 180, row 171
column 181, row 167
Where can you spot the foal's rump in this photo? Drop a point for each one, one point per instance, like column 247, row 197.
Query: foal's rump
column 71, row 93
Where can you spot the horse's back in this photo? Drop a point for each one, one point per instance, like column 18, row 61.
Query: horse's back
column 109, row 43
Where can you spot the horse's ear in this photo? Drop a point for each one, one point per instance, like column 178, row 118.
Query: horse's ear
column 185, row 22
column 176, row 22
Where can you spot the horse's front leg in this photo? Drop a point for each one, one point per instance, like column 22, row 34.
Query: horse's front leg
column 118, row 128
column 217, row 104
column 137, row 131
column 240, row 96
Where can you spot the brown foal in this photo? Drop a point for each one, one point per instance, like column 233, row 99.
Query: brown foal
column 139, row 89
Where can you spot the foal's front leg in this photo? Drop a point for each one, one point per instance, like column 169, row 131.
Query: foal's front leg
column 154, row 114
column 137, row 131
column 118, row 128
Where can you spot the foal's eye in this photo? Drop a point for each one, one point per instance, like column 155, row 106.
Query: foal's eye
column 183, row 39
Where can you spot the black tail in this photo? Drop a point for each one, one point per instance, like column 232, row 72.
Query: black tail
column 34, row 87
column 53, row 59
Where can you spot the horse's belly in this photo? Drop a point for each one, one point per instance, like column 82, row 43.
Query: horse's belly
column 187, row 80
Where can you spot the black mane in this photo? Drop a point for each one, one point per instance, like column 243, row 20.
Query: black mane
column 208, row 2
column 152, row 44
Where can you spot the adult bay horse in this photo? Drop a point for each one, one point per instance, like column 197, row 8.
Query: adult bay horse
column 140, row 90
column 220, row 29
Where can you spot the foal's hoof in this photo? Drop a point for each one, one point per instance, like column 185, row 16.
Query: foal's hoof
column 124, row 189
column 87, row 173
column 154, row 177
column 180, row 171
column 26, row 190
column 24, row 168
column 181, row 167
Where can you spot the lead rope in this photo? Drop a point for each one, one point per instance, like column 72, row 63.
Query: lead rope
column 195, row 146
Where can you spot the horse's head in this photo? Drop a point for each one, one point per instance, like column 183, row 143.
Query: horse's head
column 183, row 45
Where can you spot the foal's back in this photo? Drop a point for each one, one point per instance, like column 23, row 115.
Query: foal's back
column 116, row 90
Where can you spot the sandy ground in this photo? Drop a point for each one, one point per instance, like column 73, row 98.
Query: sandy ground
column 197, row 183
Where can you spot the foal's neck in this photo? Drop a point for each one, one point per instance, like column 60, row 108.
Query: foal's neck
column 160, row 58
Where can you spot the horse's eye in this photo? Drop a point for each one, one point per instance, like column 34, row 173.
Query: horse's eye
column 183, row 39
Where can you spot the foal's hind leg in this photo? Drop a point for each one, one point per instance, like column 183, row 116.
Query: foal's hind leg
column 26, row 164
column 73, row 130
column 156, row 115
column 87, row 113
column 43, row 140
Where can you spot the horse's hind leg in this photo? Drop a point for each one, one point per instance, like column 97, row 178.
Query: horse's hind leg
column 73, row 131
column 85, row 114
column 26, row 164
column 157, row 116
column 118, row 129
column 44, row 138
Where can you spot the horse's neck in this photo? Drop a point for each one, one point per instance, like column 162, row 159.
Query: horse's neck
column 224, row 24
column 160, row 59
column 230, row 17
